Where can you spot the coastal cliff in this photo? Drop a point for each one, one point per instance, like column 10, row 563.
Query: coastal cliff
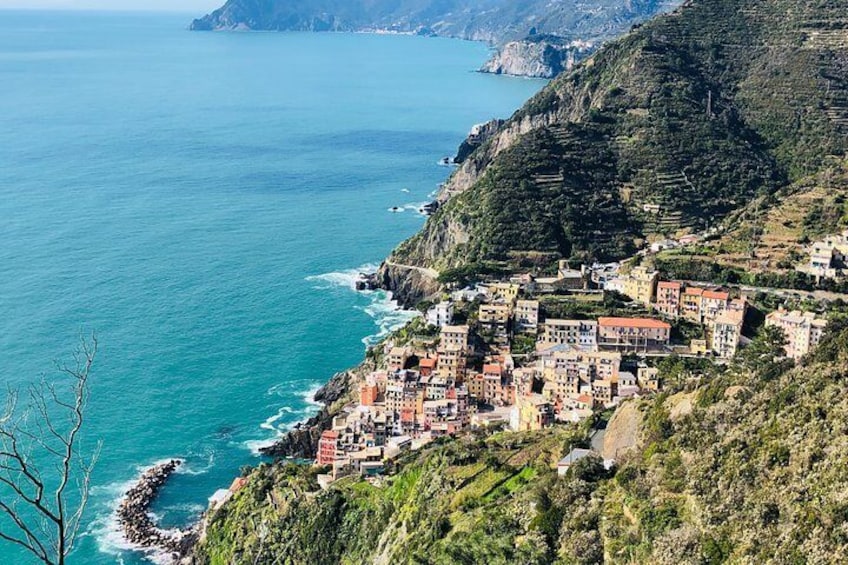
column 538, row 58
column 302, row 441
column 668, row 130
column 537, row 38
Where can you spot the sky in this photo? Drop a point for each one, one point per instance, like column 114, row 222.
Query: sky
column 150, row 5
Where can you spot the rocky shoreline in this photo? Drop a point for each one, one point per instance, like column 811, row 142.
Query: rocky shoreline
column 136, row 522
column 302, row 441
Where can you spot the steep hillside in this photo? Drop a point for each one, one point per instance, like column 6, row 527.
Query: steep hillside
column 750, row 468
column 666, row 130
column 771, row 233
column 542, row 34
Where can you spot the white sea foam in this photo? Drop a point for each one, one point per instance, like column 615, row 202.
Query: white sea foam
column 255, row 446
column 189, row 469
column 385, row 312
column 417, row 207
column 387, row 316
column 270, row 424
column 309, row 396
column 346, row 279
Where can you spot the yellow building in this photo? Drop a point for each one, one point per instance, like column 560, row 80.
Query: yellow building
column 454, row 335
column 531, row 413
column 641, row 285
column 690, row 304
column 566, row 372
column 508, row 292
column 494, row 314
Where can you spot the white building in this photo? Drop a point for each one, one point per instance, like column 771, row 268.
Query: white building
column 579, row 333
column 726, row 333
column 526, row 316
column 441, row 314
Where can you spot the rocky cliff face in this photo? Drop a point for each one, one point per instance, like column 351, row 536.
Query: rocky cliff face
column 480, row 134
column 302, row 441
column 540, row 59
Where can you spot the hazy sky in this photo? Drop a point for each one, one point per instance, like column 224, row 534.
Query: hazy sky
column 170, row 5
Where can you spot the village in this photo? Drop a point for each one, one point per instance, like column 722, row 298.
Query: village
column 492, row 356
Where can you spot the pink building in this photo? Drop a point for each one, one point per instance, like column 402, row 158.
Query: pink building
column 668, row 299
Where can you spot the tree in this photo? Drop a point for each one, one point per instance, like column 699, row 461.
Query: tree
column 766, row 353
column 44, row 479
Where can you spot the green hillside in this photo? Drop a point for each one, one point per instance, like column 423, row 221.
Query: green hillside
column 751, row 467
column 666, row 130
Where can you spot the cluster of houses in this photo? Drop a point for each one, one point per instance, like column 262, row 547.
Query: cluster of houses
column 722, row 316
column 469, row 376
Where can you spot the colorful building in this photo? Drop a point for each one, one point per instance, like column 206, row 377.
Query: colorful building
column 633, row 334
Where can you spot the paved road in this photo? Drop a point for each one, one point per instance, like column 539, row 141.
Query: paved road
column 432, row 273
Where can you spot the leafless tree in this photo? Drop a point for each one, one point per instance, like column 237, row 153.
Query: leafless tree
column 44, row 479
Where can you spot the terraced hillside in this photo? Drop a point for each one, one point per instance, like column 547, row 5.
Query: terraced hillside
column 667, row 130
column 771, row 234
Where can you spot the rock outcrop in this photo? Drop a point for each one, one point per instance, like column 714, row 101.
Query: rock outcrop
column 302, row 441
column 623, row 431
column 536, row 58
column 480, row 134
column 408, row 285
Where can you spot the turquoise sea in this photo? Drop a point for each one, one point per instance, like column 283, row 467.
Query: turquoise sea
column 203, row 201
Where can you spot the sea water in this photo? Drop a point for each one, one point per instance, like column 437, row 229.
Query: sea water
column 204, row 202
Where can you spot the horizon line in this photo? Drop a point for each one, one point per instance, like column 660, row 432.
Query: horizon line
column 103, row 10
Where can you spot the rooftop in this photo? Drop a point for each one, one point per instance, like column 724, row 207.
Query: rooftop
column 648, row 323
column 492, row 369
column 716, row 294
column 574, row 456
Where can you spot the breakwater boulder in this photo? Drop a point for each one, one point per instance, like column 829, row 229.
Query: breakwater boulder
column 139, row 527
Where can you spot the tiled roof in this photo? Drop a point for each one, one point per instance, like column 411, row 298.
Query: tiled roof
column 716, row 294
column 634, row 323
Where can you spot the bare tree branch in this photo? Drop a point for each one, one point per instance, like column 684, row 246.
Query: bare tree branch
column 40, row 462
